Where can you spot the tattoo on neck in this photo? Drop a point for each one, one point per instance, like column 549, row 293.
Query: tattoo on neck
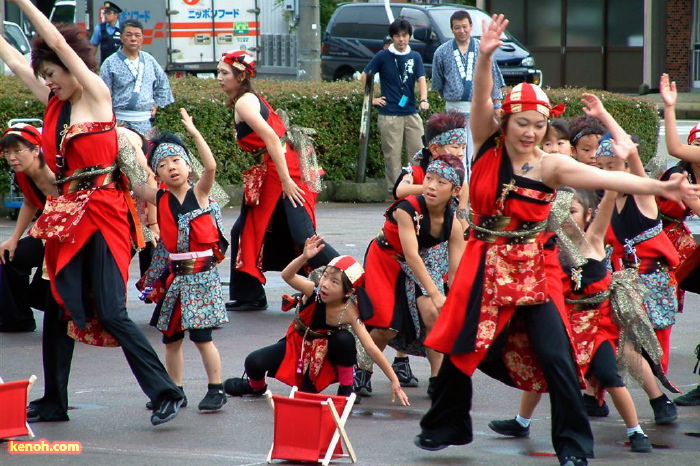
column 526, row 167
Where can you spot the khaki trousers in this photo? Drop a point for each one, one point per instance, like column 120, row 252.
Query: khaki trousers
column 397, row 131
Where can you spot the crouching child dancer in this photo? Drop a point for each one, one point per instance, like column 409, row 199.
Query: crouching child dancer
column 188, row 291
column 318, row 348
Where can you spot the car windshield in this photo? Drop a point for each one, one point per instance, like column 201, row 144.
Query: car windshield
column 441, row 19
column 16, row 38
column 63, row 13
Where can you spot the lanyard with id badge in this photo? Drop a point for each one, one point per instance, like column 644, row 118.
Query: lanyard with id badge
column 403, row 77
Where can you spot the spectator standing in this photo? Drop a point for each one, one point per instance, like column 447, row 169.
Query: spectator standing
column 107, row 34
column 453, row 70
column 138, row 84
column 399, row 123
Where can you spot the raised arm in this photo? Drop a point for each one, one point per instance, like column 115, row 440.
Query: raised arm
column 560, row 170
column 595, row 235
column 312, row 246
column 593, row 107
column 19, row 66
column 675, row 147
column 94, row 88
column 207, row 178
column 481, row 118
column 248, row 110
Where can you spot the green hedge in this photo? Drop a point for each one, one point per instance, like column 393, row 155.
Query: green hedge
column 333, row 109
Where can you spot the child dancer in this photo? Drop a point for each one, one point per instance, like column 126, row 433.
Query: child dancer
column 557, row 138
column 446, row 135
column 407, row 291
column 190, row 296
column 595, row 334
column 640, row 243
column 673, row 214
column 585, row 133
column 318, row 348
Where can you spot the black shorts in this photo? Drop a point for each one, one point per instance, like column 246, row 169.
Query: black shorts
column 197, row 335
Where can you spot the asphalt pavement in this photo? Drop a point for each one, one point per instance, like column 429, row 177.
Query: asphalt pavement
column 109, row 419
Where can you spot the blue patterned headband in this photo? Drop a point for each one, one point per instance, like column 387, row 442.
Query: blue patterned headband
column 168, row 149
column 453, row 136
column 445, row 170
column 605, row 148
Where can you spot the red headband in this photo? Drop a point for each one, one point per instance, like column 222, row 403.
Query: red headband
column 241, row 61
column 694, row 131
column 350, row 267
column 28, row 132
column 526, row 96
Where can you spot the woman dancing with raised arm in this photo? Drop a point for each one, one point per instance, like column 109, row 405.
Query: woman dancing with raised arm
column 510, row 273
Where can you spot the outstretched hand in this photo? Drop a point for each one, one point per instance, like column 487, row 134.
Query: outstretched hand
column 313, row 246
column 397, row 391
column 623, row 149
column 667, row 89
column 592, row 106
column 491, row 34
column 678, row 188
column 187, row 121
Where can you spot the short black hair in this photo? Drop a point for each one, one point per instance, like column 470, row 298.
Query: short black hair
column 584, row 125
column 400, row 25
column 460, row 15
column 130, row 23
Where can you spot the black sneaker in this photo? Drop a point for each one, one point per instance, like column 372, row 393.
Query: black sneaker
column 424, row 442
column 692, row 398
column 362, row 383
column 639, row 443
column 665, row 412
column 593, row 408
column 573, row 461
column 257, row 305
column 214, row 400
column 240, row 386
column 167, row 411
column 510, row 428
column 149, row 404
column 403, row 372
column 33, row 415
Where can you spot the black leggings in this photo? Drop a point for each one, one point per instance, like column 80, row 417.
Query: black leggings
column 604, row 367
column 449, row 421
column 92, row 276
column 266, row 361
column 290, row 227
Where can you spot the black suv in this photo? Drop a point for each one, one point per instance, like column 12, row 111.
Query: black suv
column 356, row 33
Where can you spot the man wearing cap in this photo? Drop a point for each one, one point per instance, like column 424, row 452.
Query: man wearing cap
column 453, row 70
column 107, row 34
column 137, row 82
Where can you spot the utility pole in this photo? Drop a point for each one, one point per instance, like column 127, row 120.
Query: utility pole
column 309, row 40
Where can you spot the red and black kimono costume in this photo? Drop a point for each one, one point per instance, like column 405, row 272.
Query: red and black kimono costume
column 639, row 242
column 19, row 292
column 385, row 279
column 673, row 218
column 594, row 332
column 527, row 346
column 271, row 234
column 306, row 356
column 89, row 269
column 190, row 297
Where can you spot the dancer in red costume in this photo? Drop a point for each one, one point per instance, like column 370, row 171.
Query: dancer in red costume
column 673, row 214
column 88, row 249
column 278, row 214
column 319, row 348
column 510, row 273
